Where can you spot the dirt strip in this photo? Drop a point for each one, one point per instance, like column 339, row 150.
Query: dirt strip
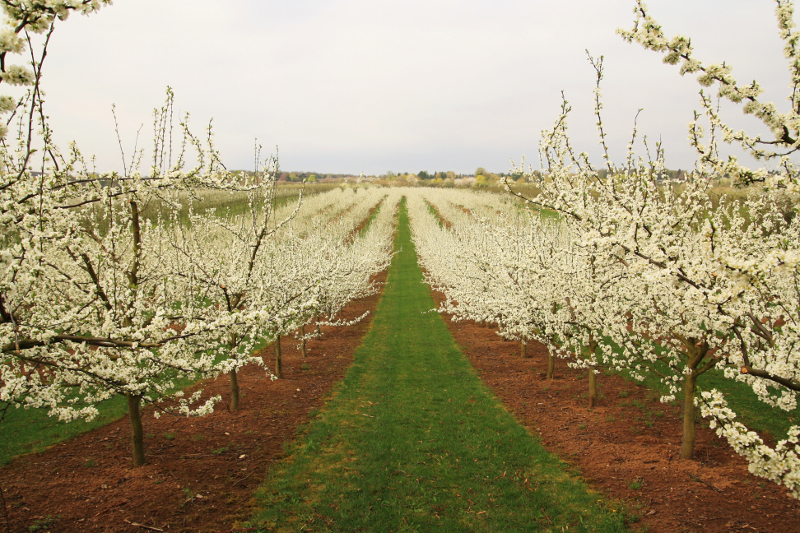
column 201, row 472
column 628, row 447
column 356, row 231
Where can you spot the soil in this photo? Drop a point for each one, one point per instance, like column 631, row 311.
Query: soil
column 201, row 472
column 628, row 447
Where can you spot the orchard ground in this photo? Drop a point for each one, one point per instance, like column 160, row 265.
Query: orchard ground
column 202, row 472
column 413, row 441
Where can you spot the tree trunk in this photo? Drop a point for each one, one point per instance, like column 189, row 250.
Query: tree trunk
column 232, row 342
column 278, row 372
column 137, row 432
column 689, row 390
column 303, row 340
column 696, row 351
column 592, row 373
column 524, row 348
column 551, row 365
column 234, row 391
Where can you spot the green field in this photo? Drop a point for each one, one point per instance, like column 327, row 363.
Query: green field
column 25, row 431
column 31, row 430
column 413, row 441
column 751, row 411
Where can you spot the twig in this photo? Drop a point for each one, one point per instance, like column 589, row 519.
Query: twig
column 142, row 526
column 709, row 485
column 245, row 477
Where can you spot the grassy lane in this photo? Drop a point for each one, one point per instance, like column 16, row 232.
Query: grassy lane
column 413, row 441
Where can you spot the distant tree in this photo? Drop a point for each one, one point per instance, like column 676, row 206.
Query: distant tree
column 480, row 171
column 423, row 175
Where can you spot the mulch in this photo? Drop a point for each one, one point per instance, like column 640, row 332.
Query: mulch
column 201, row 472
column 624, row 448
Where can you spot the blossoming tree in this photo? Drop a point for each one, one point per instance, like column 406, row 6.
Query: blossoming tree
column 705, row 288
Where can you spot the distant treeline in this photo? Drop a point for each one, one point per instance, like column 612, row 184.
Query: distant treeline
column 480, row 177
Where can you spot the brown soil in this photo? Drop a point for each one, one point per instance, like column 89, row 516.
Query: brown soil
column 201, row 472
column 623, row 448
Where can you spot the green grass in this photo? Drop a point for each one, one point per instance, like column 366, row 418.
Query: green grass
column 750, row 411
column 413, row 441
column 44, row 523
column 24, row 431
column 372, row 216
column 432, row 210
column 31, row 430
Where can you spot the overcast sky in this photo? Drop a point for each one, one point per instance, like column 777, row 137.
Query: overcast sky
column 349, row 86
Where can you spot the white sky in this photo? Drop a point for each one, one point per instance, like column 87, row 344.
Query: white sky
column 349, row 86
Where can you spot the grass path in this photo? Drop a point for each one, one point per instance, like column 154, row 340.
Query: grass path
column 413, row 441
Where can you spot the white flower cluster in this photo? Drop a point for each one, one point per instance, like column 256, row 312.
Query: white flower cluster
column 785, row 127
column 780, row 464
column 272, row 278
column 101, row 296
column 524, row 274
column 23, row 17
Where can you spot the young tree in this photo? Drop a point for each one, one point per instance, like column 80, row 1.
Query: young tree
column 763, row 259
column 221, row 256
